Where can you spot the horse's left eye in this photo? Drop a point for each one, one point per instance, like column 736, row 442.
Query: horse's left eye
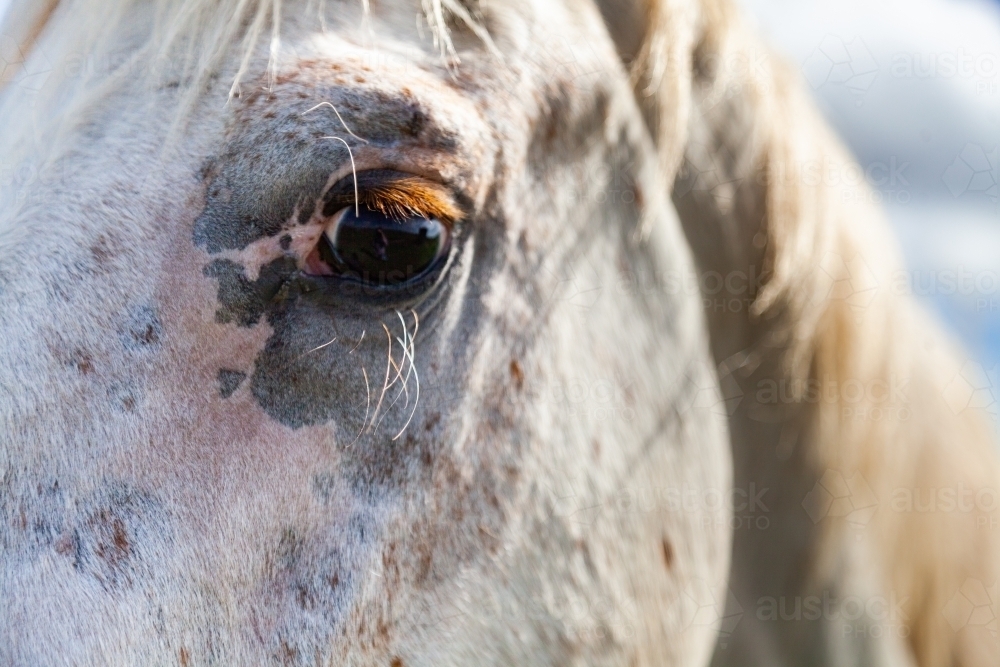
column 376, row 249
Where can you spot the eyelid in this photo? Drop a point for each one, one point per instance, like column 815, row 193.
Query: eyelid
column 396, row 195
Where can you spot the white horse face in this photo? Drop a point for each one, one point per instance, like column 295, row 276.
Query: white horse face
column 243, row 425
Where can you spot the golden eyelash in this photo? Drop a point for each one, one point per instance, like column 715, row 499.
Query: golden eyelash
column 412, row 196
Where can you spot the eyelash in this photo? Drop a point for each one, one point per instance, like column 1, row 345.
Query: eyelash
column 395, row 195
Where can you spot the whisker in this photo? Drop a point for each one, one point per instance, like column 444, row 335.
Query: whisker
column 368, row 404
column 402, row 389
column 339, row 117
column 385, row 383
column 319, row 347
column 354, row 172
column 416, row 400
column 407, row 340
column 359, row 342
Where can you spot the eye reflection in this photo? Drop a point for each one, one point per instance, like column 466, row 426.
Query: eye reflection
column 377, row 249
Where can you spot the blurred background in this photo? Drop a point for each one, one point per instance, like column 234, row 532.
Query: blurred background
column 913, row 88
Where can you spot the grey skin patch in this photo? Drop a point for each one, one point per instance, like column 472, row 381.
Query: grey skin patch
column 242, row 300
column 229, row 381
column 551, row 144
column 278, row 160
column 300, row 383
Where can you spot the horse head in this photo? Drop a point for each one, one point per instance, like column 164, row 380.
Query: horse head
column 345, row 333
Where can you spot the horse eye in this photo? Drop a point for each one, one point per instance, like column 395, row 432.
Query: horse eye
column 373, row 248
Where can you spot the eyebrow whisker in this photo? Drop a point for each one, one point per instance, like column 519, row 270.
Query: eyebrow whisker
column 354, row 172
column 339, row 117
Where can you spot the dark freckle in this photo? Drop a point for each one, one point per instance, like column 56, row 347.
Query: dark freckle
column 516, row 373
column 668, row 553
column 288, row 654
column 65, row 545
column 184, row 657
column 119, row 538
column 143, row 329
column 101, row 250
column 324, row 485
column 83, row 362
column 286, row 242
column 229, row 381
column 125, row 395
column 432, row 421
column 396, row 662
column 418, row 119
column 359, row 79
column 639, row 197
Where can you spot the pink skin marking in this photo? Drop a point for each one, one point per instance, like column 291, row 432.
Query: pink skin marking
column 303, row 246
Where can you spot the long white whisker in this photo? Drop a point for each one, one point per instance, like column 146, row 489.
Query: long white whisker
column 407, row 341
column 368, row 404
column 416, row 400
column 404, row 389
column 319, row 347
column 359, row 342
column 339, row 117
column 385, row 383
column 399, row 372
column 354, row 172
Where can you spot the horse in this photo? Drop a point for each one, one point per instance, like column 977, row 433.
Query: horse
column 386, row 333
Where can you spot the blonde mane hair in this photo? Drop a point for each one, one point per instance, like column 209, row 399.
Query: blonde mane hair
column 829, row 310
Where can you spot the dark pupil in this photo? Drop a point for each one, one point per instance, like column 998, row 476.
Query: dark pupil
column 378, row 249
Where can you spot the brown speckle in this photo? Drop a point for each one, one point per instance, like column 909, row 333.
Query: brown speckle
column 432, row 421
column 396, row 662
column 517, row 373
column 184, row 657
column 64, row 545
column 668, row 553
column 101, row 250
column 83, row 362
